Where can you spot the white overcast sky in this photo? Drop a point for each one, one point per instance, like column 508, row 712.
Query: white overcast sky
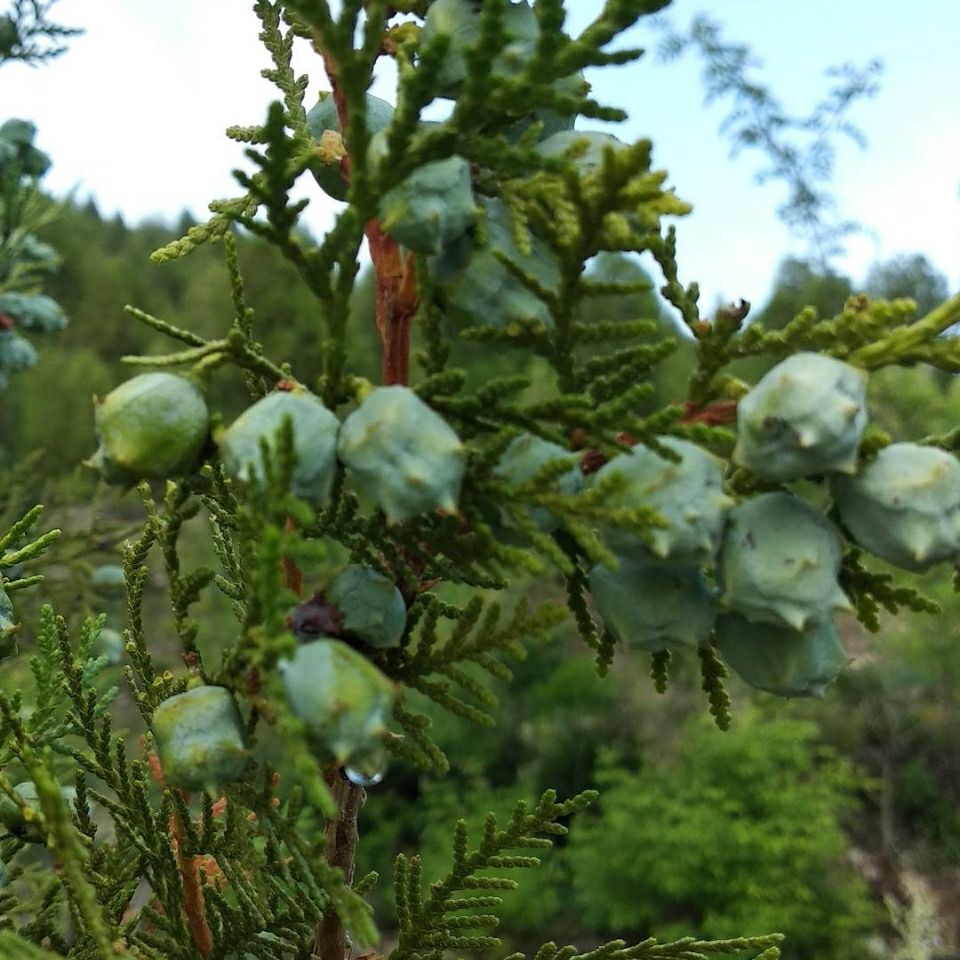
column 134, row 115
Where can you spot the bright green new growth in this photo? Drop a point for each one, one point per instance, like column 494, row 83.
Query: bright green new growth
column 402, row 454
column 687, row 493
column 341, row 698
column 199, row 738
column 370, row 605
column 651, row 608
column 904, row 506
column 475, row 287
column 780, row 660
column 526, row 455
column 431, row 208
column 779, row 563
column 315, row 431
column 805, row 417
column 151, row 427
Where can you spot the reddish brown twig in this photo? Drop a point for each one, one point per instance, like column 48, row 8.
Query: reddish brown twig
column 188, row 867
column 396, row 300
column 396, row 303
column 592, row 460
column 713, row 414
column 193, row 905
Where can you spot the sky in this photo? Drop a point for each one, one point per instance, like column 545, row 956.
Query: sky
column 133, row 116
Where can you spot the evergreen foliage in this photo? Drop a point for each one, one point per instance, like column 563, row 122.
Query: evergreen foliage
column 26, row 34
column 673, row 831
column 24, row 259
column 243, row 870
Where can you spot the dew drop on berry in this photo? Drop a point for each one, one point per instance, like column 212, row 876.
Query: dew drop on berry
column 369, row 770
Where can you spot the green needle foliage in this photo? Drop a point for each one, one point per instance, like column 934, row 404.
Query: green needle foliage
column 287, row 718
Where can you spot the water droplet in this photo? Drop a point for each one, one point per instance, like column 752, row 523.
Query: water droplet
column 368, row 770
column 361, row 779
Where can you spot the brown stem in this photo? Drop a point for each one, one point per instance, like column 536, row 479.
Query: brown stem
column 341, row 849
column 193, row 905
column 713, row 414
column 396, row 301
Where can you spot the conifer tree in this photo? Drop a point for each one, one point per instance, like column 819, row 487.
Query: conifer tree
column 366, row 534
column 26, row 34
